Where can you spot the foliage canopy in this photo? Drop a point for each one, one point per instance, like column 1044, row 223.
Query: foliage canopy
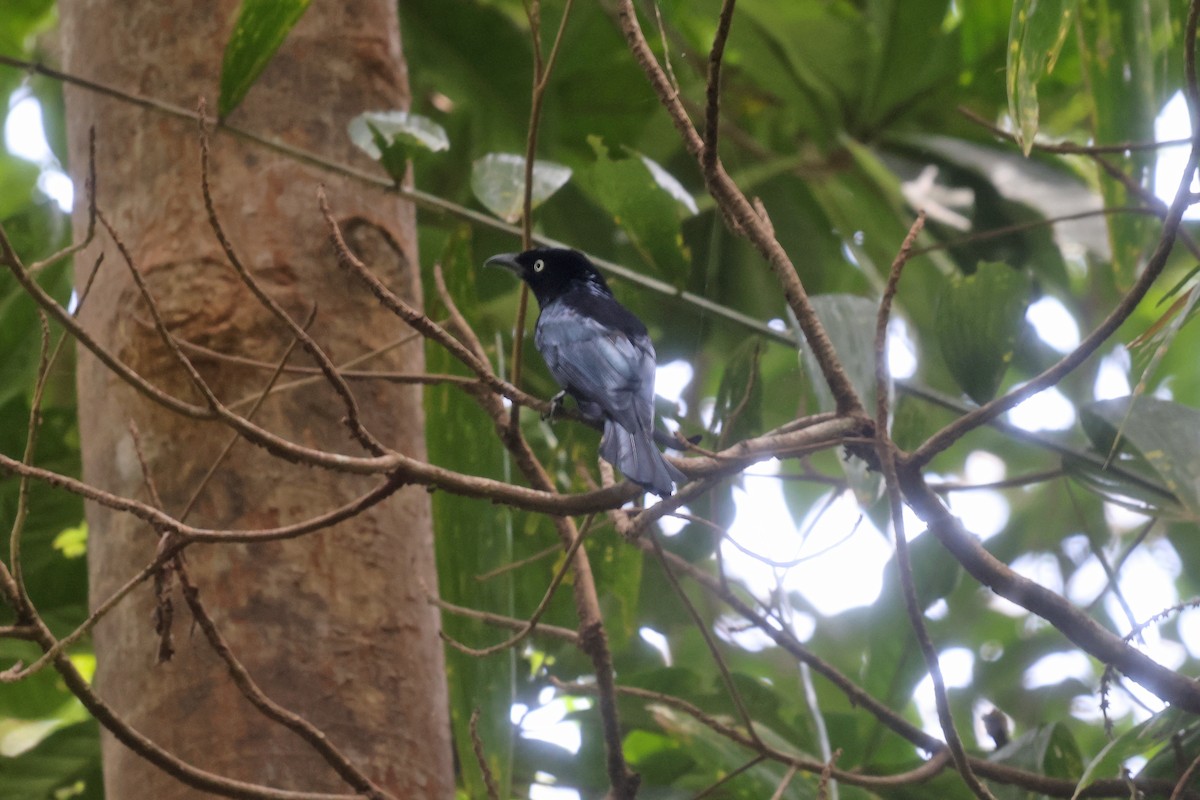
column 842, row 119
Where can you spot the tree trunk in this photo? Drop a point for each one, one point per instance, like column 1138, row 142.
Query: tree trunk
column 334, row 626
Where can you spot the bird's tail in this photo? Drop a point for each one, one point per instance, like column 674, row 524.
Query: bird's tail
column 638, row 459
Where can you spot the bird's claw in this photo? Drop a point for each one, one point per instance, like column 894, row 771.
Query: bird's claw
column 555, row 404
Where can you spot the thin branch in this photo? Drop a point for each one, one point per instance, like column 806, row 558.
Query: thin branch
column 1015, row 482
column 336, row 381
column 520, row 635
column 311, row 734
column 489, row 780
column 1073, row 623
column 515, row 565
column 1020, row 227
column 919, row 775
column 89, row 185
column 1182, row 783
column 742, row 216
column 712, row 108
column 512, row 623
column 233, row 439
column 724, row 779
column 885, row 451
column 787, row 781
column 702, row 626
column 1037, row 439
column 22, row 604
column 1070, row 148
column 827, row 774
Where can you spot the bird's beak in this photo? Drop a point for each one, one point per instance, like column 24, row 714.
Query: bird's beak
column 508, row 261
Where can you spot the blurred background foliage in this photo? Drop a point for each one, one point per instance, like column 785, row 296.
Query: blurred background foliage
column 843, row 117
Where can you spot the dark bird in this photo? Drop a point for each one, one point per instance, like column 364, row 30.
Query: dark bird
column 600, row 354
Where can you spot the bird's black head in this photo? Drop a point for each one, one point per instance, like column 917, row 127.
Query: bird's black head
column 551, row 271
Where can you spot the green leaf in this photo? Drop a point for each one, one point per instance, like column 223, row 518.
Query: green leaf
column 72, row 541
column 1160, row 434
column 1134, row 487
column 977, row 324
column 644, row 201
column 498, row 181
column 18, row 178
column 1124, row 52
column 1140, row 740
column 850, row 322
column 670, row 184
column 718, row 756
column 738, row 409
column 64, row 765
column 261, row 27
column 1048, row 750
column 1035, row 37
column 394, row 137
column 472, row 538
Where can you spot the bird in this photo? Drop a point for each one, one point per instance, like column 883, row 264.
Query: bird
column 600, row 354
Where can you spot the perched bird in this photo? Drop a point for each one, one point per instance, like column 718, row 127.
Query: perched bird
column 600, row 354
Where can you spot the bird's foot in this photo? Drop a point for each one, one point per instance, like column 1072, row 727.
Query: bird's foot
column 556, row 403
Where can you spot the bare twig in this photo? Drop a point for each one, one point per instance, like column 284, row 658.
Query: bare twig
column 712, row 108
column 885, row 451
column 724, row 779
column 520, row 635
column 21, row 602
column 1185, row 778
column 262, row 397
column 826, row 774
column 743, row 218
column 702, row 626
column 336, row 381
column 542, row 69
column 489, row 780
column 500, row 621
column 89, row 185
column 786, row 782
column 313, row 736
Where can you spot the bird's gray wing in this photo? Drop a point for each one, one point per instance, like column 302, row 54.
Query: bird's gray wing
column 600, row 365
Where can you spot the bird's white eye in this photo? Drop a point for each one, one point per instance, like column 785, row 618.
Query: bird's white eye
column 539, row 265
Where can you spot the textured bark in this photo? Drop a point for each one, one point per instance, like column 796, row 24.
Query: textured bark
column 334, row 626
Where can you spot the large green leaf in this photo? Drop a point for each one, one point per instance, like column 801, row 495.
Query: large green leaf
column 1124, row 52
column 908, row 33
column 738, row 410
column 1035, row 37
column 260, row 29
column 644, row 201
column 498, row 181
column 1047, row 750
column 394, row 137
column 1142, row 739
column 1160, row 434
column 804, row 64
column 978, row 320
column 471, row 538
column 65, row 764
column 850, row 322
column 17, row 181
